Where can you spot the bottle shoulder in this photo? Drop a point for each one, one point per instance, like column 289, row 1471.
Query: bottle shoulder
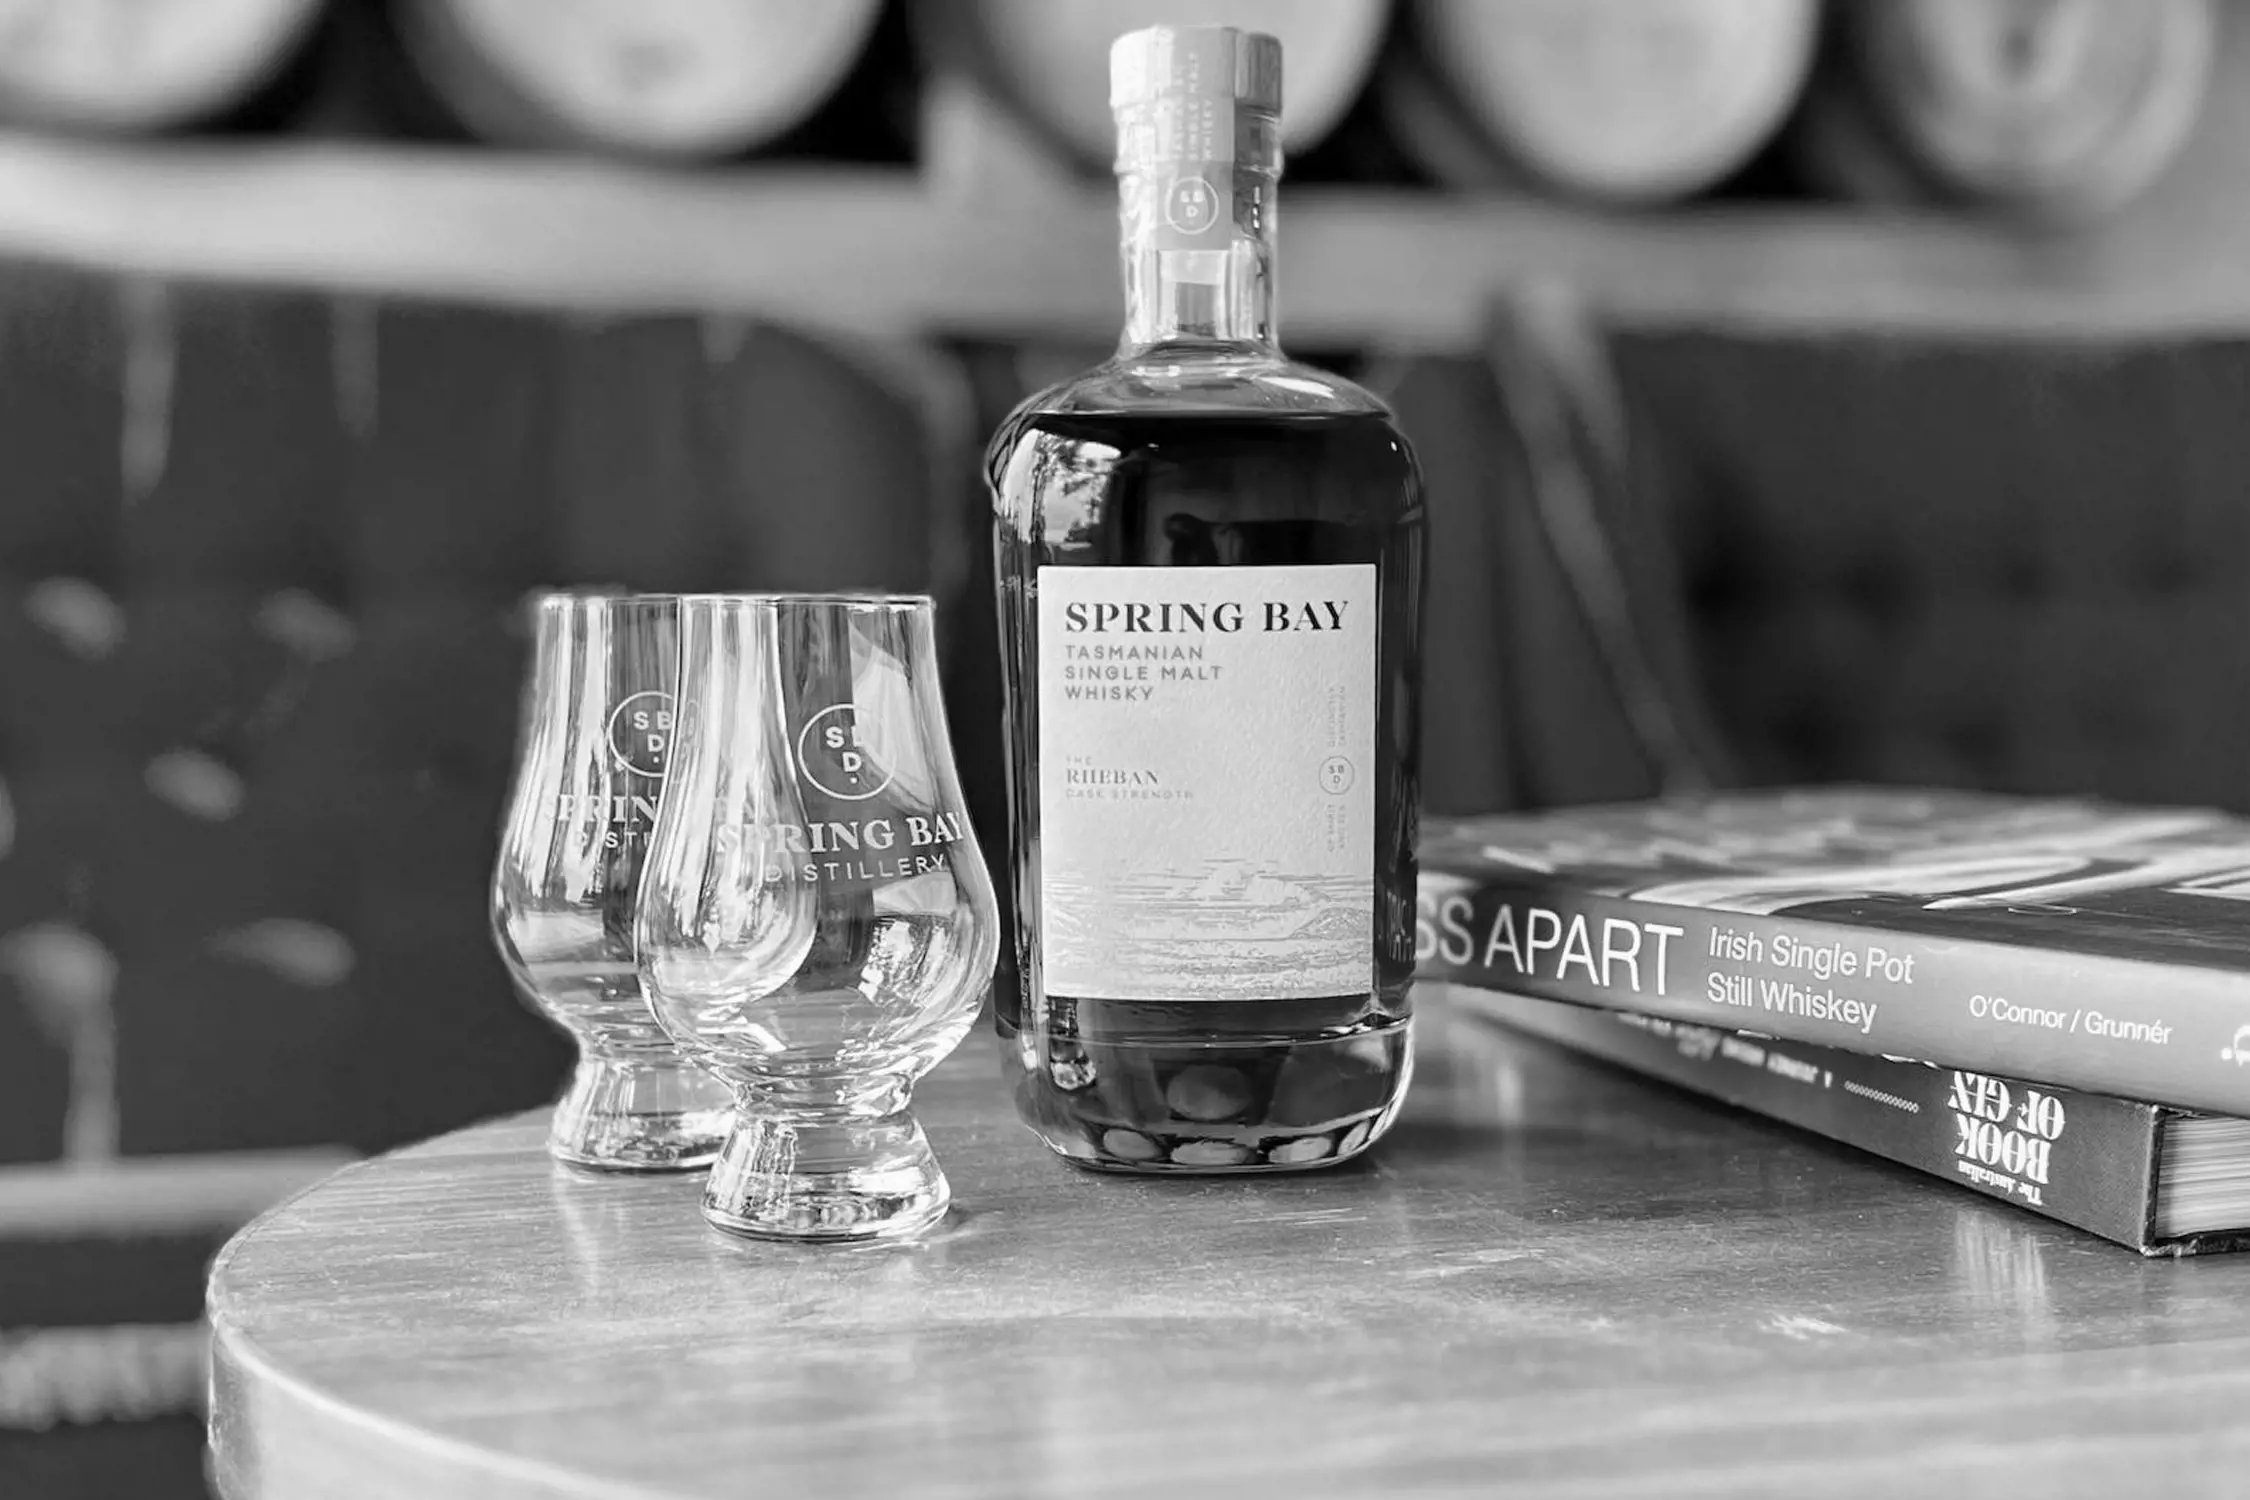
column 1198, row 381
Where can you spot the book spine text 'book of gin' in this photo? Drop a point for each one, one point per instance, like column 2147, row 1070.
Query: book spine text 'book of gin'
column 2088, row 1160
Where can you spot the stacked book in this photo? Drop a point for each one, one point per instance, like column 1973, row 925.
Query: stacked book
column 2046, row 1001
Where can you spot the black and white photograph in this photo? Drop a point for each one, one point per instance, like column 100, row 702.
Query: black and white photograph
column 1102, row 749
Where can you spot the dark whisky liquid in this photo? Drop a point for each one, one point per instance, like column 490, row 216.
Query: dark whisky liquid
column 1201, row 1084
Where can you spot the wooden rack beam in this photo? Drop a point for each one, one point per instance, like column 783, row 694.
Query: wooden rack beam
column 888, row 250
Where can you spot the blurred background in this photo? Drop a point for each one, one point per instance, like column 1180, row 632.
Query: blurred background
column 1807, row 391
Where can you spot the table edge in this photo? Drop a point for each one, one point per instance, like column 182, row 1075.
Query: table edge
column 271, row 1433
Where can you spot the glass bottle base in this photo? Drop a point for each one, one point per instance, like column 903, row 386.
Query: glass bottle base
column 1208, row 1107
column 806, row 1176
column 639, row 1115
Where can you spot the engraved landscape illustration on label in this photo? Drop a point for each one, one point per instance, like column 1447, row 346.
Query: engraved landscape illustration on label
column 1213, row 928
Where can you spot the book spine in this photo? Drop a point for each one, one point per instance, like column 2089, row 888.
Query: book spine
column 2083, row 1159
column 2166, row 1033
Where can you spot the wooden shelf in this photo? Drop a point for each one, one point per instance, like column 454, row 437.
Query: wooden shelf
column 999, row 253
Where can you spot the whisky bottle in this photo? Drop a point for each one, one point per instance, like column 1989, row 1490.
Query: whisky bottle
column 1209, row 565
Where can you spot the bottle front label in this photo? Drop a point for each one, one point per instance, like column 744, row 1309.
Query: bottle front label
column 1207, row 781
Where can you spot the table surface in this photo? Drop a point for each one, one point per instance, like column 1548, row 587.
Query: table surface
column 1551, row 1280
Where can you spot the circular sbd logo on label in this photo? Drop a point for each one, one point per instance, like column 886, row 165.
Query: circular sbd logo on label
column 836, row 755
column 1337, row 775
column 1190, row 205
column 640, row 734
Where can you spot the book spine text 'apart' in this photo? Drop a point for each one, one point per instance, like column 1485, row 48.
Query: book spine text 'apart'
column 2166, row 1033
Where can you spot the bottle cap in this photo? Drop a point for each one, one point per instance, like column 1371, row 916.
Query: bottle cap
column 1217, row 63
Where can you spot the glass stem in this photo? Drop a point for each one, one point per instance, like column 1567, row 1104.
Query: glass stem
column 796, row 1171
column 643, row 1113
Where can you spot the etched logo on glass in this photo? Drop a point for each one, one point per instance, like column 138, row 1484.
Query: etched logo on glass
column 640, row 734
column 837, row 755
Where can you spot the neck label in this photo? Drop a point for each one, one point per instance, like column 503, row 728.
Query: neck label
column 1176, row 189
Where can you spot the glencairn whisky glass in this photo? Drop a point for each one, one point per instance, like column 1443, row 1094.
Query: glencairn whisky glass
column 592, row 753
column 817, row 926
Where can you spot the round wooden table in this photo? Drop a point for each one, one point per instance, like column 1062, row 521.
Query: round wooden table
column 1552, row 1280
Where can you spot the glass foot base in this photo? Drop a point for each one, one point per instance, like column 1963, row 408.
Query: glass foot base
column 639, row 1116
column 816, row 1178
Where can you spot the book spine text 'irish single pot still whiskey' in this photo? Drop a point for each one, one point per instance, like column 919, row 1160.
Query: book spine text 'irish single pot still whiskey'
column 2091, row 947
column 1209, row 562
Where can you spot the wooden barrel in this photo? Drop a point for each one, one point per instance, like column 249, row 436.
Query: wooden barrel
column 2043, row 105
column 681, row 79
column 1624, row 101
column 1049, row 59
column 144, row 66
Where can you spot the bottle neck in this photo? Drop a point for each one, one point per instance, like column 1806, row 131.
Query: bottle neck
column 1219, row 290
